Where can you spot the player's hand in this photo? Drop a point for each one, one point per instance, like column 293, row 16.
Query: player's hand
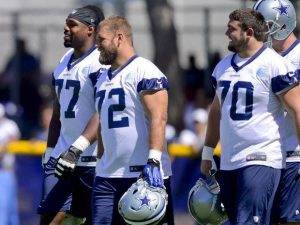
column 151, row 173
column 208, row 165
column 67, row 161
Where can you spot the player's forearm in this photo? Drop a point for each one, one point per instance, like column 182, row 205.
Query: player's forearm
column 100, row 148
column 157, row 132
column 213, row 126
column 156, row 109
column 91, row 130
column 212, row 134
column 296, row 116
column 55, row 125
column 54, row 130
column 292, row 103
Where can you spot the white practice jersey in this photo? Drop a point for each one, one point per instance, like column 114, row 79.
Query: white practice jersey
column 9, row 130
column 124, row 126
column 252, row 116
column 291, row 142
column 75, row 92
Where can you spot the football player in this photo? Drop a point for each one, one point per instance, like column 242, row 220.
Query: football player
column 74, row 123
column 252, row 87
column 280, row 16
column 132, row 100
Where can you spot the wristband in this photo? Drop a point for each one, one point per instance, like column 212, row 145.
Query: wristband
column 155, row 154
column 81, row 143
column 208, row 153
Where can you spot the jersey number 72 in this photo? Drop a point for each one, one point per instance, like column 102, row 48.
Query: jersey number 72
column 123, row 122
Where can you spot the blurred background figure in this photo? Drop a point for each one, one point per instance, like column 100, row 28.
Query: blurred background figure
column 9, row 131
column 20, row 84
column 195, row 137
column 193, row 79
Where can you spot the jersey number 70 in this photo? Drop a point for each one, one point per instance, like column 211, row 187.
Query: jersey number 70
column 234, row 115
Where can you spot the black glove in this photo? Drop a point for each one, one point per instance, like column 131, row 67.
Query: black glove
column 67, row 161
column 151, row 173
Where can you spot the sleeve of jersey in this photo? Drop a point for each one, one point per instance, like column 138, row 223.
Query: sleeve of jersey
column 152, row 79
column 283, row 83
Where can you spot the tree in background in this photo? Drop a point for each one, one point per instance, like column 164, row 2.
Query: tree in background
column 166, row 54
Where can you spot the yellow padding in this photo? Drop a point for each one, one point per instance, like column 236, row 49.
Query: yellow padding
column 179, row 150
column 26, row 147
column 217, row 150
column 38, row 148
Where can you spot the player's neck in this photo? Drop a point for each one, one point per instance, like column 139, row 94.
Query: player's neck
column 283, row 45
column 123, row 58
column 80, row 51
column 251, row 49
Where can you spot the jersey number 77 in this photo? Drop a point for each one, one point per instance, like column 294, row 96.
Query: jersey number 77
column 75, row 84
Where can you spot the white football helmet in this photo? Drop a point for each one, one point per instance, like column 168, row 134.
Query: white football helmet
column 204, row 202
column 279, row 15
column 142, row 204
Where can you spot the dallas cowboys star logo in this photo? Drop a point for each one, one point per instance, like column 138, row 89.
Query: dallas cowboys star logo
column 282, row 9
column 144, row 201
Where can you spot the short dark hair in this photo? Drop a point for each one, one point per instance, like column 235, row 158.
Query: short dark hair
column 250, row 18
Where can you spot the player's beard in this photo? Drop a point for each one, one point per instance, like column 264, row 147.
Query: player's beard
column 107, row 56
column 68, row 41
column 238, row 46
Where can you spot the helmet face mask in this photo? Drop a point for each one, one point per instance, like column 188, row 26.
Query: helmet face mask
column 142, row 204
column 273, row 28
column 204, row 202
column 280, row 17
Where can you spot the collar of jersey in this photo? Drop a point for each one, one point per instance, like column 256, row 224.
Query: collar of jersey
column 290, row 48
column 112, row 74
column 237, row 68
column 70, row 65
